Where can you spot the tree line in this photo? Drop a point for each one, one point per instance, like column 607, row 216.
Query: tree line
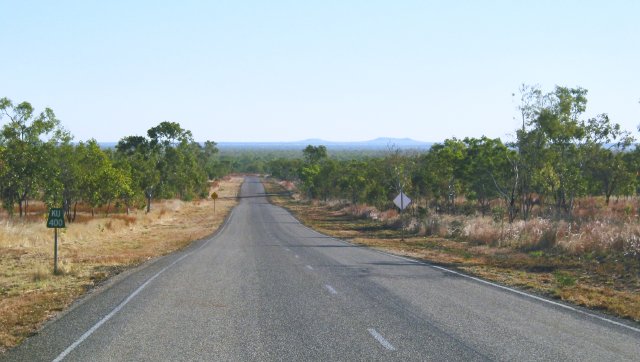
column 39, row 161
column 556, row 157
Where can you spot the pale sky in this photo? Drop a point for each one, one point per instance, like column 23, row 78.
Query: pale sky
column 338, row 70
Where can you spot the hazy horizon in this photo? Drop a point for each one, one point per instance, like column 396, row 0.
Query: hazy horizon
column 311, row 140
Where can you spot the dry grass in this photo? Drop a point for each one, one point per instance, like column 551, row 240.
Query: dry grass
column 89, row 252
column 594, row 263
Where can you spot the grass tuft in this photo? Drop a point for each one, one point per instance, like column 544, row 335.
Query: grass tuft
column 564, row 279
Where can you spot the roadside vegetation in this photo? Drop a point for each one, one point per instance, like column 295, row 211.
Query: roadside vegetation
column 601, row 279
column 107, row 196
column 556, row 210
column 91, row 250
column 39, row 162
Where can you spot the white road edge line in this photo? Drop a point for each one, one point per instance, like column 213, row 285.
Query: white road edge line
column 381, row 339
column 568, row 307
column 95, row 327
column 309, row 267
column 579, row 311
column 330, row 289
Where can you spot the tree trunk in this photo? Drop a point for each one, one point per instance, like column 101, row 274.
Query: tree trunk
column 66, row 205
column 75, row 209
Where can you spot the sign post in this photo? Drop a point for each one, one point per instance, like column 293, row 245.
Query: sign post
column 214, row 196
column 55, row 221
column 402, row 201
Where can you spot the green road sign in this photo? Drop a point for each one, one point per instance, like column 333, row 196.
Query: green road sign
column 56, row 218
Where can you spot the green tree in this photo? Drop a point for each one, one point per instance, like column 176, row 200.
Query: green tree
column 180, row 173
column 28, row 139
column 64, row 185
column 207, row 158
column 136, row 154
column 445, row 171
column 487, row 164
column 604, row 149
column 310, row 170
column 352, row 179
column 314, row 154
column 100, row 183
column 169, row 134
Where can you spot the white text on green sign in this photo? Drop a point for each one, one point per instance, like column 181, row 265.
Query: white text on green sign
column 56, row 218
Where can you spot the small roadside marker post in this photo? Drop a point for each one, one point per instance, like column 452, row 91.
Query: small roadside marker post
column 55, row 221
column 214, row 196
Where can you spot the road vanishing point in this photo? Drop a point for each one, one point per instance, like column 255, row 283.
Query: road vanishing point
column 267, row 288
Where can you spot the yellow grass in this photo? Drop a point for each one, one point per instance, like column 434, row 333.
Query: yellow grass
column 610, row 283
column 91, row 252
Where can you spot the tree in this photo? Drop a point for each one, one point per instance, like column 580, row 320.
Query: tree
column 445, row 171
column 487, row 164
column 100, row 182
column 531, row 147
column 27, row 139
column 169, row 134
column 168, row 163
column 314, row 154
column 64, row 185
column 352, row 179
column 310, row 170
column 207, row 159
column 604, row 149
column 549, row 145
column 142, row 159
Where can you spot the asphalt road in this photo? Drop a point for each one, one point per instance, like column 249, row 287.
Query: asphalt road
column 267, row 288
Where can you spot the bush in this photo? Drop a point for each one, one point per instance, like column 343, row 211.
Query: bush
column 455, row 229
column 498, row 213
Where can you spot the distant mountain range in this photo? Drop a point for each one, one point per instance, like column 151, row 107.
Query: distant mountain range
column 378, row 143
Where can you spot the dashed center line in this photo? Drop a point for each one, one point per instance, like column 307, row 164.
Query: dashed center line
column 381, row 339
column 330, row 289
column 297, row 256
column 287, row 249
column 309, row 267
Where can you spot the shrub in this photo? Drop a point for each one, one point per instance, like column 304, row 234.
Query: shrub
column 455, row 229
column 498, row 213
column 564, row 279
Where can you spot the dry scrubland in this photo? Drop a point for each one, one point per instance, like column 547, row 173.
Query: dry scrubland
column 593, row 261
column 90, row 251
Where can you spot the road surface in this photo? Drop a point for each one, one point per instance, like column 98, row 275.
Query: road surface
column 267, row 288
